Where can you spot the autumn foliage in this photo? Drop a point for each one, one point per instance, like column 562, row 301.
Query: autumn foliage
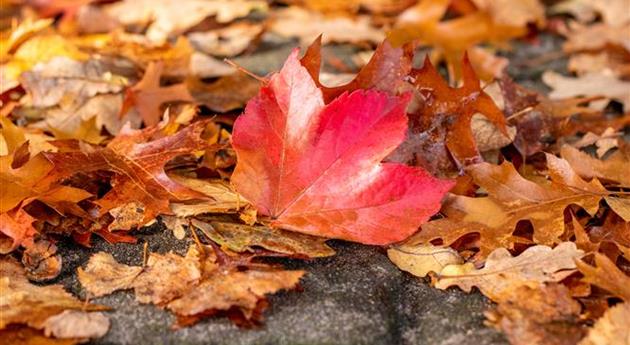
column 119, row 116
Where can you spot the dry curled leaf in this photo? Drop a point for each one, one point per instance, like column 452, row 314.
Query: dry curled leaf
column 419, row 260
column 606, row 276
column 502, row 273
column 195, row 286
column 511, row 199
column 242, row 237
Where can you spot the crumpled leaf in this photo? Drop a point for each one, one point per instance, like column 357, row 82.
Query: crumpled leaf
column 41, row 261
column 195, row 286
column 606, row 275
column 137, row 159
column 440, row 129
column 502, row 272
column 318, row 168
column 611, row 328
column 37, row 306
column 512, row 198
column 242, row 237
column 419, row 260
column 170, row 17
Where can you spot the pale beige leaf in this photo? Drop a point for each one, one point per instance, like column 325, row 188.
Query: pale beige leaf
column 419, row 260
column 76, row 324
column 612, row 328
column 104, row 275
column 502, row 272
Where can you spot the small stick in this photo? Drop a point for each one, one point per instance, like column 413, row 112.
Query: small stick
column 144, row 254
column 242, row 69
column 519, row 113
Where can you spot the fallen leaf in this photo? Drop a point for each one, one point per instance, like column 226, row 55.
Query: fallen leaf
column 41, row 261
column 441, row 126
column 606, row 276
column 171, row 17
column 596, row 37
column 592, row 84
column 192, row 287
column 300, row 175
column 621, row 206
column 34, row 306
column 502, row 272
column 228, row 41
column 76, row 324
column 290, row 23
column 612, row 169
column 611, row 328
column 230, row 92
column 147, row 96
column 242, row 237
column 542, row 315
column 419, row 260
column 385, row 71
column 511, row 199
column 137, row 159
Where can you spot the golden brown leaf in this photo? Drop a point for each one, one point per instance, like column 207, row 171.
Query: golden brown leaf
column 34, row 306
column 242, row 237
column 613, row 169
column 540, row 315
column 606, row 276
column 612, row 328
column 502, row 273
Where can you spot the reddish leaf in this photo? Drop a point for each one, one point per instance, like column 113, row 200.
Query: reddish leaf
column 147, row 95
column 315, row 168
column 138, row 164
column 385, row 70
column 442, row 121
column 18, row 225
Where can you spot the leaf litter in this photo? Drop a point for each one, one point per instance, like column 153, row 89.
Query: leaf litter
column 119, row 114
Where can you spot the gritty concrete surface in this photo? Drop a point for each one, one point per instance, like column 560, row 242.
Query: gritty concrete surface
column 355, row 297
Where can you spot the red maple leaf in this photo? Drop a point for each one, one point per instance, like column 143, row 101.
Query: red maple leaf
column 316, row 168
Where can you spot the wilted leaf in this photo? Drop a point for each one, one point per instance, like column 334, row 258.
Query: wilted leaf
column 319, row 169
column 228, row 41
column 41, row 261
column 503, row 273
column 242, row 237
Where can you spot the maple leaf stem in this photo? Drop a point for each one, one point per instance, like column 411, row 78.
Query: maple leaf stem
column 244, row 70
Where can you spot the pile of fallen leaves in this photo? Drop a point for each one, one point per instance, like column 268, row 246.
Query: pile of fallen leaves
column 119, row 114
